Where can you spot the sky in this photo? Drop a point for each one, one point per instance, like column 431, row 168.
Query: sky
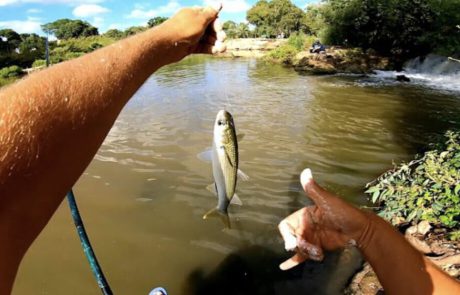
column 26, row 16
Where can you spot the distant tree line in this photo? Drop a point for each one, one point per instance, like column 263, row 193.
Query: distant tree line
column 76, row 37
column 398, row 28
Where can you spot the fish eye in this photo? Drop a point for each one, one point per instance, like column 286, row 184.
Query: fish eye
column 220, row 122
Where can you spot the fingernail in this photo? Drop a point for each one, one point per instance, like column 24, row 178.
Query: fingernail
column 306, row 176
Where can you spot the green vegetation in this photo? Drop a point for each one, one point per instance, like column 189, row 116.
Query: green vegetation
column 67, row 28
column 276, row 17
column 286, row 53
column 153, row 22
column 10, row 72
column 398, row 28
column 234, row 30
column 425, row 189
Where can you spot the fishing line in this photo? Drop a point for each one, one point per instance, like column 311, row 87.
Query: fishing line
column 86, row 245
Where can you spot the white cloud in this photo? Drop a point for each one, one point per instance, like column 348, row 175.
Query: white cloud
column 70, row 2
column 86, row 10
column 22, row 26
column 167, row 9
column 34, row 10
column 230, row 6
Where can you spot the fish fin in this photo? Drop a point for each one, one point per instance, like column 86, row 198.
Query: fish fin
column 240, row 136
column 236, row 200
column 212, row 188
column 214, row 212
column 243, row 176
column 206, row 156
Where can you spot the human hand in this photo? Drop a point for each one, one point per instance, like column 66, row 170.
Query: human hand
column 329, row 224
column 196, row 30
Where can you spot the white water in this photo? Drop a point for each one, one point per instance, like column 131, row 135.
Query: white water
column 433, row 71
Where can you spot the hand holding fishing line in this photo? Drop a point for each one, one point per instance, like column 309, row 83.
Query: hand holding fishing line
column 328, row 225
column 196, row 30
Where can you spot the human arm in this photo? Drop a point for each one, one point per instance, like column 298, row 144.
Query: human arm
column 333, row 224
column 53, row 122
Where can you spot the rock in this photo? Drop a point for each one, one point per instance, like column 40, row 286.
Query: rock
column 422, row 246
column 411, row 230
column 402, row 78
column 312, row 63
column 251, row 47
column 423, row 227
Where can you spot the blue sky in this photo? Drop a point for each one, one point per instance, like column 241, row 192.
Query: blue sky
column 26, row 16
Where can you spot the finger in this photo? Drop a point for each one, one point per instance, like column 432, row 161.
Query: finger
column 221, row 36
column 293, row 261
column 314, row 191
column 209, row 39
column 286, row 231
column 310, row 250
column 217, row 26
column 219, row 47
column 210, row 13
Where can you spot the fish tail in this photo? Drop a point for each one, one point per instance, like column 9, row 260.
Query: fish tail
column 215, row 212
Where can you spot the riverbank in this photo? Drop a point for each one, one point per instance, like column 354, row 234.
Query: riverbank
column 422, row 200
column 333, row 60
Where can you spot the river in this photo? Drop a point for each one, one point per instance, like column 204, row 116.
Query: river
column 143, row 196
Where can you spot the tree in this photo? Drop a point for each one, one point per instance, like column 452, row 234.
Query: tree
column 276, row 17
column 156, row 21
column 9, row 40
column 230, row 29
column 67, row 28
column 134, row 30
column 114, row 34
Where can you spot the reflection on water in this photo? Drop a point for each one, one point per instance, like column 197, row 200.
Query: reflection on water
column 144, row 194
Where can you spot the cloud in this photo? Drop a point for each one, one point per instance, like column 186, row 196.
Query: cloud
column 167, row 9
column 230, row 6
column 22, row 26
column 86, row 10
column 69, row 2
column 33, row 10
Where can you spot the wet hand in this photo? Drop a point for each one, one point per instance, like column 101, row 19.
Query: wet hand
column 196, row 30
column 329, row 224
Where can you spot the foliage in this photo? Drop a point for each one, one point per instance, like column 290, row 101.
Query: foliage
column 275, row 17
column 287, row 52
column 424, row 189
column 153, row 22
column 75, row 47
column 400, row 28
column 114, row 34
column 234, row 30
column 284, row 54
column 134, row 30
column 10, row 72
column 67, row 28
column 9, row 40
column 39, row 63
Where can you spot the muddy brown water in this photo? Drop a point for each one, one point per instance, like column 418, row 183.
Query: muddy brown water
column 144, row 194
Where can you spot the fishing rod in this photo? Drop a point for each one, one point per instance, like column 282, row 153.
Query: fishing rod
column 86, row 245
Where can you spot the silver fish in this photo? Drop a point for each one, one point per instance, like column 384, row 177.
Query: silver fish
column 224, row 155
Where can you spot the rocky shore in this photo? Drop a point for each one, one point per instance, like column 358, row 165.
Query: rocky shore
column 431, row 241
column 333, row 60
column 251, row 47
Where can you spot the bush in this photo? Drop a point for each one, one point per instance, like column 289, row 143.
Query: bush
column 284, row 54
column 39, row 63
column 10, row 72
column 301, row 41
column 424, row 189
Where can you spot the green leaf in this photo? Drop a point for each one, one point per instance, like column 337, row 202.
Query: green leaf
column 375, row 195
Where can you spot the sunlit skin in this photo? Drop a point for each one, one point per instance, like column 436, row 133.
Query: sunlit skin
column 53, row 122
column 332, row 224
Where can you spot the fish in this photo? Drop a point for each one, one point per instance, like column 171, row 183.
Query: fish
column 224, row 158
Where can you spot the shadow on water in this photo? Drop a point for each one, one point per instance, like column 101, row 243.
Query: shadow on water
column 254, row 271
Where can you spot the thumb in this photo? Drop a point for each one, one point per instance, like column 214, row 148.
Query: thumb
column 316, row 193
column 211, row 13
column 293, row 261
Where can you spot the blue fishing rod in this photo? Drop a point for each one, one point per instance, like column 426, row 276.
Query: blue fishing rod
column 86, row 245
